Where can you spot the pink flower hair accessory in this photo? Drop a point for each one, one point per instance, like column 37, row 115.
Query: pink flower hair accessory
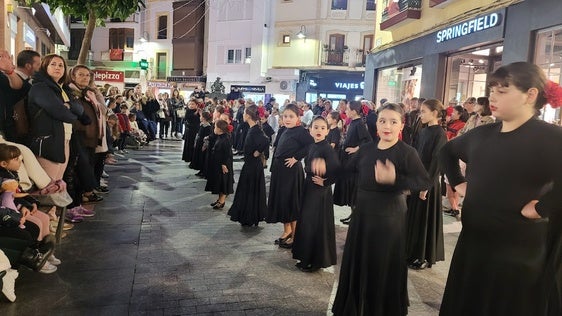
column 553, row 94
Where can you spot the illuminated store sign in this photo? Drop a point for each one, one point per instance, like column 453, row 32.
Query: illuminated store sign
column 469, row 27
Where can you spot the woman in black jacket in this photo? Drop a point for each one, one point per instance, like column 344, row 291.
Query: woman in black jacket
column 52, row 109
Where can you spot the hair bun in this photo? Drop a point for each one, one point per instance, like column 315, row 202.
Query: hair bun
column 553, row 94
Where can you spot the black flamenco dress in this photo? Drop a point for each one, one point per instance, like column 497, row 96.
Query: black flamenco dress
column 373, row 274
column 345, row 188
column 191, row 129
column 221, row 154
column 286, row 185
column 199, row 155
column 505, row 263
column 249, row 206
column 315, row 237
column 334, row 136
column 424, row 239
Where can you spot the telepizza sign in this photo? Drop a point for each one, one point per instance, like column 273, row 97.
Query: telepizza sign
column 109, row 76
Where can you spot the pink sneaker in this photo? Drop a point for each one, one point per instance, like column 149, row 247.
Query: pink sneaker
column 73, row 216
column 84, row 212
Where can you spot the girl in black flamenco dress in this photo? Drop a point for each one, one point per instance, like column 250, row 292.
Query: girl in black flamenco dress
column 424, row 241
column 220, row 179
column 373, row 274
column 287, row 176
column 357, row 134
column 191, row 128
column 249, row 206
column 508, row 251
column 334, row 134
column 205, row 129
column 315, row 236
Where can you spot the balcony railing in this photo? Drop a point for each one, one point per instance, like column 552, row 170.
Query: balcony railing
column 400, row 11
column 335, row 57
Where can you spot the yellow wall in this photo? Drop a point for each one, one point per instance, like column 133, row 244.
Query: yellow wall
column 432, row 19
column 300, row 53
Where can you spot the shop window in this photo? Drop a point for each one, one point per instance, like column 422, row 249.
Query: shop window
column 467, row 72
column 339, row 4
column 398, row 84
column 121, row 38
column 163, row 27
column 548, row 56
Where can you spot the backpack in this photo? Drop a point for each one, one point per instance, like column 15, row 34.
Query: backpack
column 21, row 118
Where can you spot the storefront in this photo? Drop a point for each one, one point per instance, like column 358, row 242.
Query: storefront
column 548, row 56
column 331, row 85
column 109, row 77
column 457, row 60
column 254, row 92
column 451, row 63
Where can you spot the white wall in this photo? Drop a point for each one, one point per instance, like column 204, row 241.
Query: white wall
column 236, row 24
column 319, row 21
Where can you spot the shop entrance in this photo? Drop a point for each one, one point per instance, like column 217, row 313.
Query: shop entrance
column 468, row 71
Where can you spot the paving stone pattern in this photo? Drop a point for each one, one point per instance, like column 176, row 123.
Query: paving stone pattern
column 156, row 247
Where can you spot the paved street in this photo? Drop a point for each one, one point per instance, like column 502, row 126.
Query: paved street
column 156, row 247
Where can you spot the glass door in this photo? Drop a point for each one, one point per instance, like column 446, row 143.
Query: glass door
column 548, row 56
column 468, row 71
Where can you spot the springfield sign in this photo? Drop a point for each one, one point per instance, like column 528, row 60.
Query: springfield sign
column 469, row 27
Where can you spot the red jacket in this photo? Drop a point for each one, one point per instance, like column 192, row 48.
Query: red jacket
column 453, row 128
column 124, row 122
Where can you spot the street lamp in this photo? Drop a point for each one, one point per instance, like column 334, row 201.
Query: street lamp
column 302, row 32
column 145, row 37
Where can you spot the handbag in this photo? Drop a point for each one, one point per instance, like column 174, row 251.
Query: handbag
column 180, row 113
column 161, row 114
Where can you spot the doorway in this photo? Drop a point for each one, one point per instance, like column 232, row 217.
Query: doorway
column 468, row 71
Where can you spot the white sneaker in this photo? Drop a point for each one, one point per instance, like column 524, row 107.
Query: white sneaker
column 104, row 175
column 48, row 268
column 125, row 151
column 9, row 284
column 103, row 183
column 54, row 260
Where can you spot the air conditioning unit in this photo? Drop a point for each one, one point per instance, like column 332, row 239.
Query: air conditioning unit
column 287, row 85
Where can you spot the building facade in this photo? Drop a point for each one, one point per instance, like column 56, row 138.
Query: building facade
column 325, row 43
column 37, row 28
column 119, row 46
column 237, row 40
column 445, row 49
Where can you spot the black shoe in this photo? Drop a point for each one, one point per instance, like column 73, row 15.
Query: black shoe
column 309, row 268
column 346, row 220
column 101, row 189
column 281, row 240
column 215, row 203
column 418, row 264
column 287, row 243
column 34, row 258
column 218, row 206
column 92, row 198
column 453, row 213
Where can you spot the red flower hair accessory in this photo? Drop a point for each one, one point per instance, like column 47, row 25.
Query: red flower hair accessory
column 553, row 94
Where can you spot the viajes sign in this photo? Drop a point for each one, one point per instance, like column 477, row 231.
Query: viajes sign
column 471, row 26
